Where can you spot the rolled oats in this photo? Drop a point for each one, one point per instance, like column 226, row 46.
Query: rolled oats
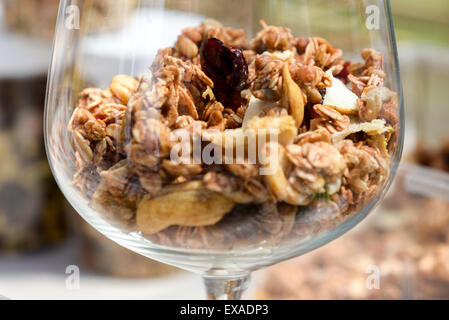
column 330, row 120
column 272, row 38
column 319, row 52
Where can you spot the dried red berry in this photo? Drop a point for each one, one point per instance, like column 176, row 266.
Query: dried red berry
column 228, row 69
column 343, row 75
column 309, row 115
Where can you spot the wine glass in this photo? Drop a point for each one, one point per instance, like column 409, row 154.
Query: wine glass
column 225, row 136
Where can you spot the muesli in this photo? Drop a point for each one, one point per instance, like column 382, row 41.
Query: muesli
column 232, row 141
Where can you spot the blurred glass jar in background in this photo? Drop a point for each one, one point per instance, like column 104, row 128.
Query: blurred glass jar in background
column 31, row 17
column 31, row 212
column 38, row 17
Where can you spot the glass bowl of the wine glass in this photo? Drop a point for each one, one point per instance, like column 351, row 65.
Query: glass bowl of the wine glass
column 334, row 105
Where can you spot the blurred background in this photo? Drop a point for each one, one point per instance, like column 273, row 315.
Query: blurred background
column 404, row 245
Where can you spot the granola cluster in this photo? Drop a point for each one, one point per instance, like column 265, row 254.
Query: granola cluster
column 315, row 133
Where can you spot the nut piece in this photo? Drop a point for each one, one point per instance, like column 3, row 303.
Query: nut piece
column 276, row 164
column 187, row 47
column 123, row 86
column 284, row 127
column 292, row 98
column 196, row 208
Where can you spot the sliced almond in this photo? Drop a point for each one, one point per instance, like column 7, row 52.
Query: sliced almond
column 196, row 208
column 292, row 96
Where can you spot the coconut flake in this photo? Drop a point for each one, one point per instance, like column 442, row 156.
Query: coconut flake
column 373, row 128
column 340, row 97
column 255, row 108
column 286, row 55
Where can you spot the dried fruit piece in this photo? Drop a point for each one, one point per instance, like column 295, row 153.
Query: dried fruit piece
column 123, row 86
column 343, row 75
column 185, row 208
column 293, row 97
column 239, row 74
column 228, row 70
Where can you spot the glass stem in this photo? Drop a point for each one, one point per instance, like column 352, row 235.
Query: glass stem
column 226, row 287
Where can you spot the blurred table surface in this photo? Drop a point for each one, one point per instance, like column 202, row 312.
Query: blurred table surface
column 42, row 275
